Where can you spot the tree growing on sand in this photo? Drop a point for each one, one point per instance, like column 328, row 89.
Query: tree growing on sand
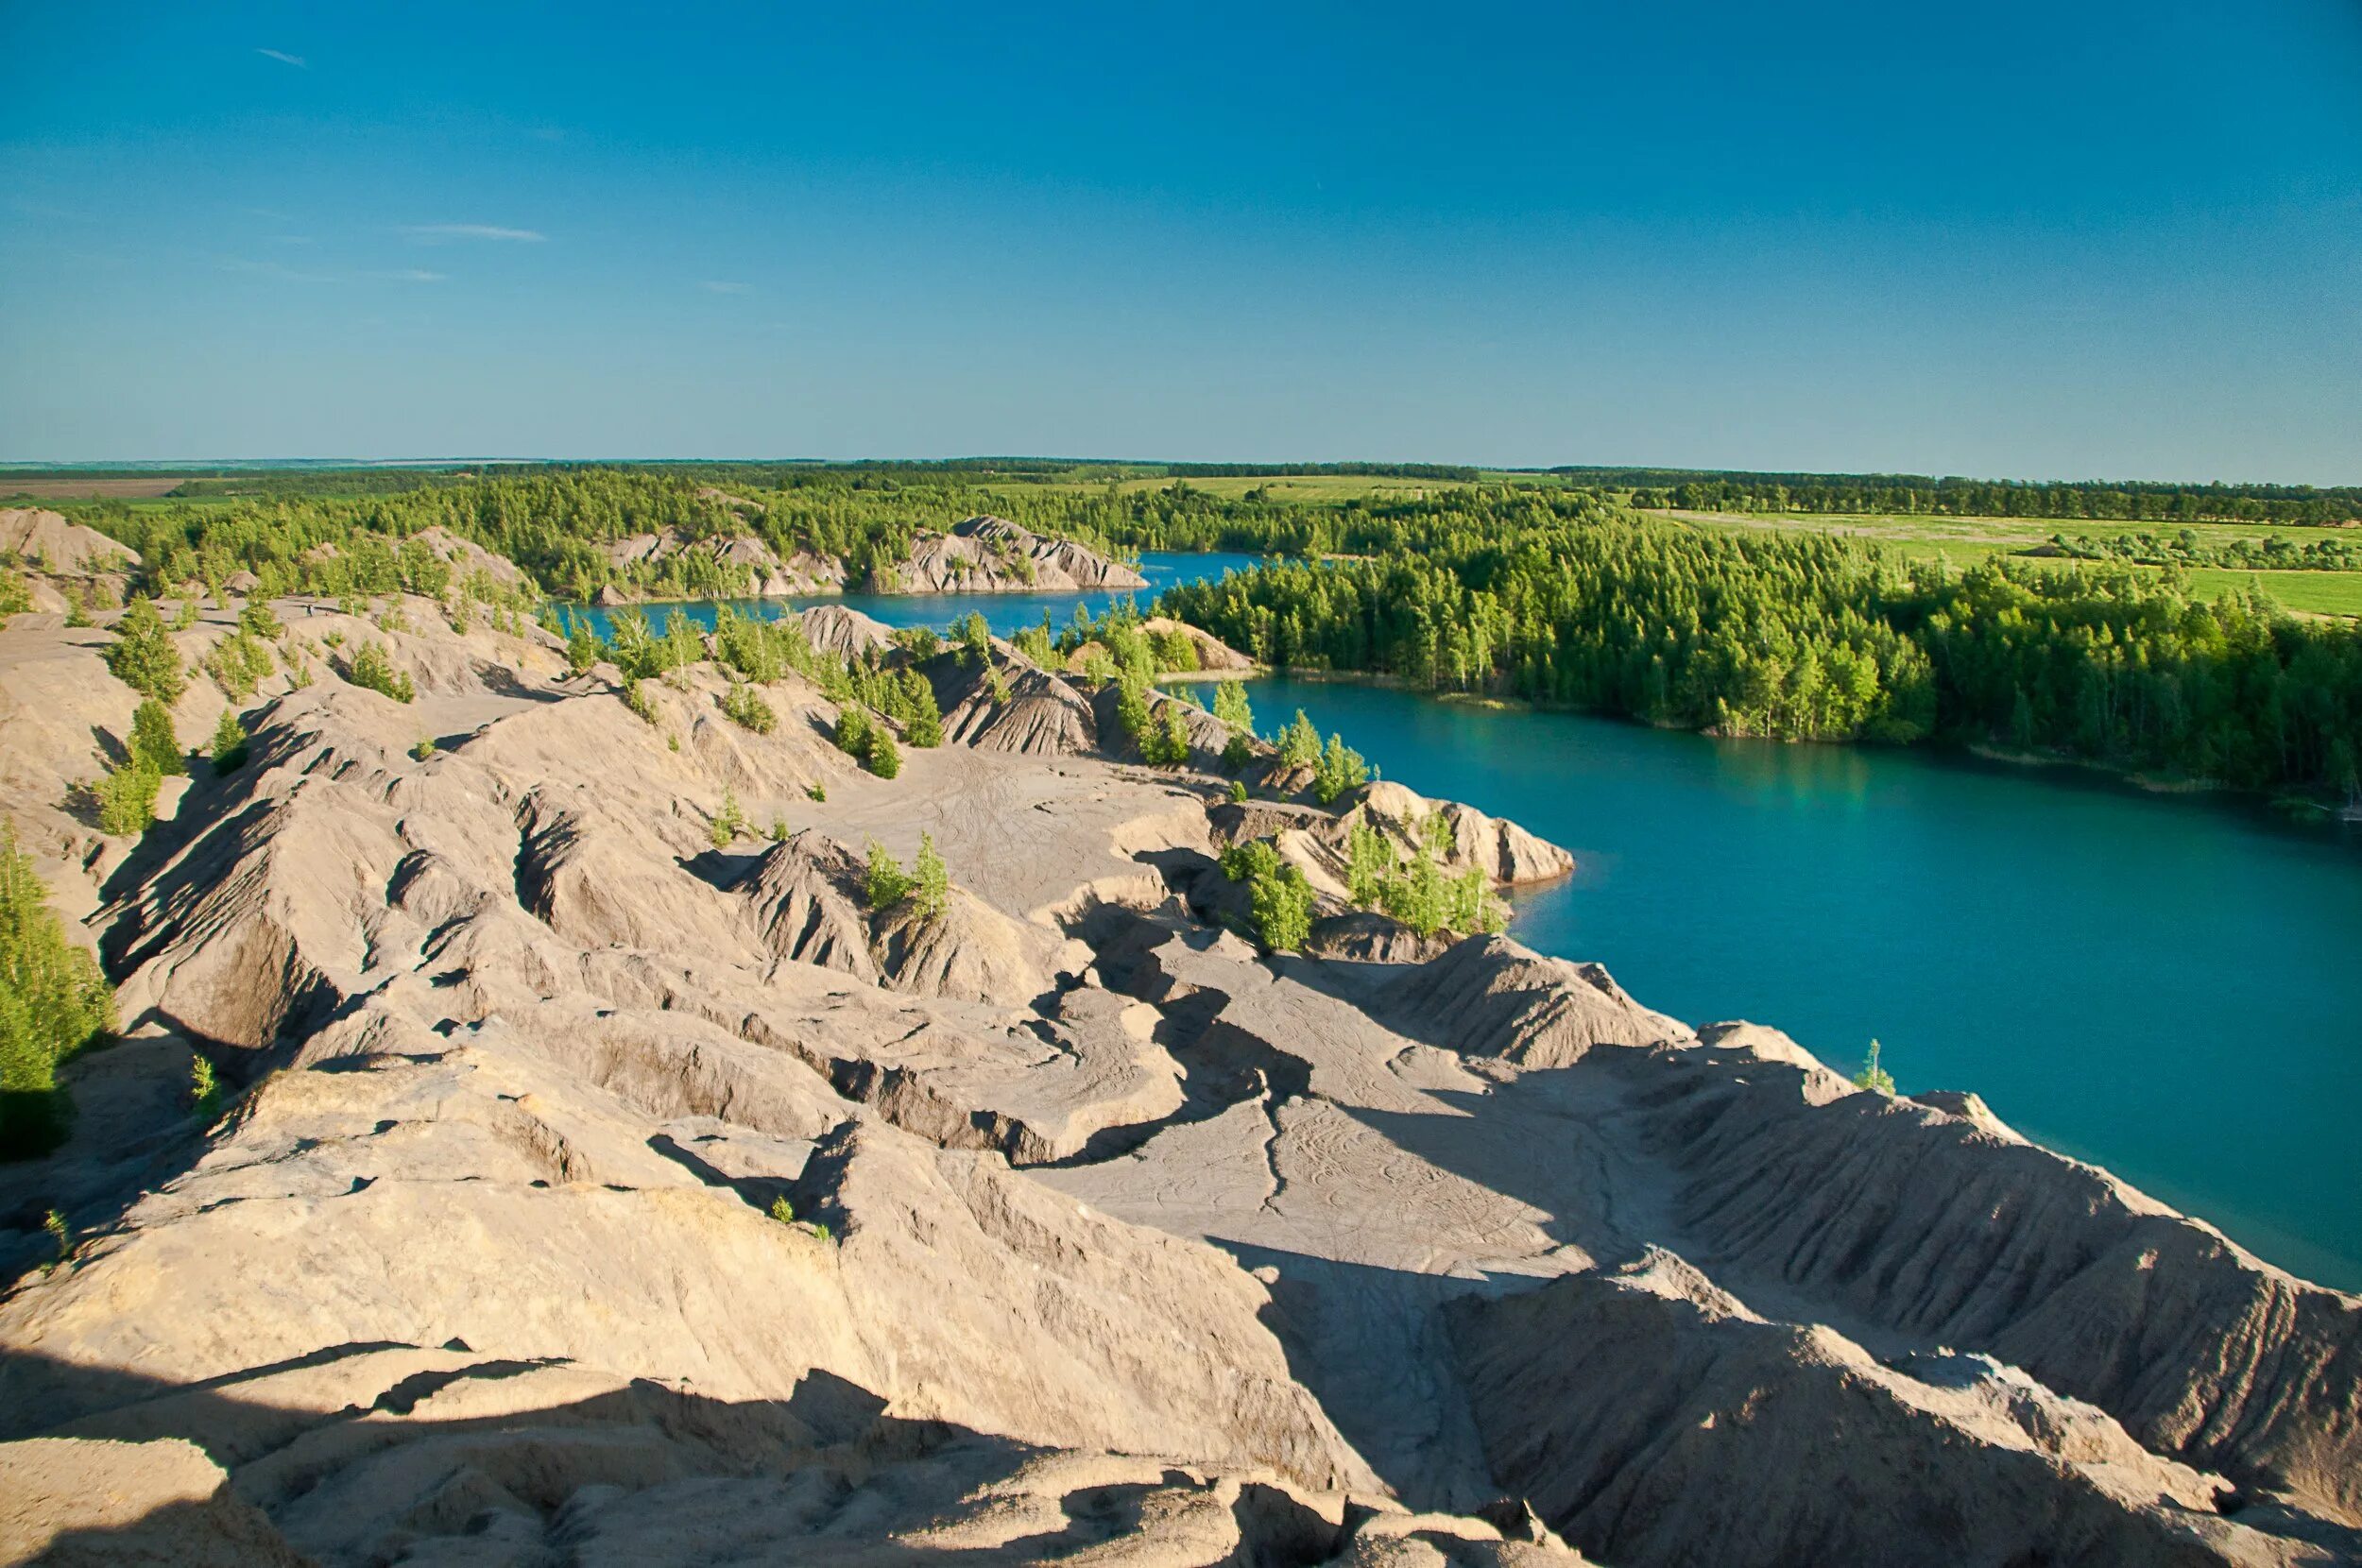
column 1873, row 1076
column 153, row 742
column 1299, row 744
column 934, row 890
column 53, row 1001
column 143, row 657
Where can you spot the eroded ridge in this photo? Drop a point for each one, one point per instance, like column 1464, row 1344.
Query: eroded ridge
column 597, row 1182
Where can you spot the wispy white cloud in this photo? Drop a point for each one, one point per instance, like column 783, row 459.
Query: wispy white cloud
column 279, row 272
column 437, row 233
column 714, row 285
column 284, row 59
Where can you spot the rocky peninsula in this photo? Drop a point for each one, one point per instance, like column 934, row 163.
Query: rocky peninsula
column 606, row 1167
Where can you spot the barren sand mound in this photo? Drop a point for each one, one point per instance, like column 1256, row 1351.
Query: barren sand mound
column 599, row 1178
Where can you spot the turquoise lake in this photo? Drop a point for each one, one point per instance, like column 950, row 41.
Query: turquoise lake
column 2168, row 987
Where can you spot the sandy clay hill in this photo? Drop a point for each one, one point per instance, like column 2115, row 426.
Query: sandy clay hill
column 592, row 1185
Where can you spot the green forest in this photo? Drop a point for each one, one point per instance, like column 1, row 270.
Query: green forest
column 1560, row 595
column 1806, row 637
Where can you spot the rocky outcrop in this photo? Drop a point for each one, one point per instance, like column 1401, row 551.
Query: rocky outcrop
column 1039, row 716
column 1212, row 654
column 989, row 554
column 465, row 559
column 1487, row 996
column 740, row 557
column 1508, row 853
column 845, row 633
column 47, row 543
column 1654, row 1419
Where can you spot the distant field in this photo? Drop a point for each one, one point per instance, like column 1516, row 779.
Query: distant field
column 1964, row 541
column 41, row 487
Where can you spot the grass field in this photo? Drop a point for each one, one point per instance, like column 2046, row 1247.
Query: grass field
column 65, row 487
column 1964, row 541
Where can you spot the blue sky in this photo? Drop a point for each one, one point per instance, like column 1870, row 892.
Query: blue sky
column 2060, row 240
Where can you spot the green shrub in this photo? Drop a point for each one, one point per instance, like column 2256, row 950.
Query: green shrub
column 204, row 1089
column 923, row 728
column 1232, row 708
column 777, row 831
column 1238, row 751
column 1237, row 793
column 1255, row 857
column 153, row 742
column 583, row 645
column 229, row 739
column 143, row 657
column 372, row 668
column 884, row 757
column 635, row 698
column 256, row 620
column 816, row 792
column 1341, row 768
column 185, row 616
column 424, row 749
column 53, row 1002
column 975, row 638
column 126, row 798
column 729, row 821
column 1299, row 744
column 1283, row 908
column 886, row 884
column 920, row 642
column 744, row 707
column 934, row 890
column 239, row 663
column 853, row 730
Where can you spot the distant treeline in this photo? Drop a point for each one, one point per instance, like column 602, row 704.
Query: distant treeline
column 1808, row 637
column 1909, row 494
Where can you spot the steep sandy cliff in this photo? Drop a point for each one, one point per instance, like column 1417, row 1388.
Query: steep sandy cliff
column 587, row 1193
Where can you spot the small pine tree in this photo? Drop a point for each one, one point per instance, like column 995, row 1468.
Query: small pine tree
column 1299, row 744
column 1282, row 902
column 853, row 729
column 1232, row 708
column 1237, row 793
column 126, row 798
column 1341, row 768
column 153, row 742
column 925, row 726
column 583, row 647
column 230, row 739
column 885, row 758
column 885, row 883
column 1873, row 1076
column 729, row 821
column 143, row 657
column 934, row 890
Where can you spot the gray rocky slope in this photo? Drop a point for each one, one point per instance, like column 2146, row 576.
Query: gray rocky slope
column 1112, row 1239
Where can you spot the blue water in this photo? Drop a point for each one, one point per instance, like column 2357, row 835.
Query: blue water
column 2168, row 987
column 1005, row 613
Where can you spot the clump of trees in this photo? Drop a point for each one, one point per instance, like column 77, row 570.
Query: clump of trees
column 1806, row 637
column 53, row 1002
